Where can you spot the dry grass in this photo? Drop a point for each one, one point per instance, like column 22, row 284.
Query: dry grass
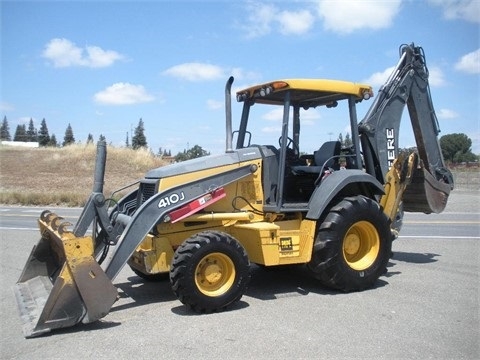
column 466, row 178
column 64, row 176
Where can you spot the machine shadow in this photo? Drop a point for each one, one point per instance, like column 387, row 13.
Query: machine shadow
column 270, row 283
column 409, row 257
column 267, row 283
column 415, row 258
column 95, row 326
column 143, row 292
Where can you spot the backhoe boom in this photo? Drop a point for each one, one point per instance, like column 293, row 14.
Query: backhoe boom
column 379, row 132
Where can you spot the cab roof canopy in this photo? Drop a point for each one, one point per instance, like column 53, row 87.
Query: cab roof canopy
column 305, row 92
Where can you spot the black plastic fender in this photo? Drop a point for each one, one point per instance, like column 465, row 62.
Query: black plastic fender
column 342, row 183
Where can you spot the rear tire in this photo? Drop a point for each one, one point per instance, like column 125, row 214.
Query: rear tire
column 353, row 245
column 210, row 271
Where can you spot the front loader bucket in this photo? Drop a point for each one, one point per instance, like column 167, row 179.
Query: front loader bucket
column 425, row 193
column 61, row 284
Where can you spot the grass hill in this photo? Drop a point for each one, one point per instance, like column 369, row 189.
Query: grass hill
column 64, row 176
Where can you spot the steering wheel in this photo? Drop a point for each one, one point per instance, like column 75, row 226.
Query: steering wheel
column 290, row 144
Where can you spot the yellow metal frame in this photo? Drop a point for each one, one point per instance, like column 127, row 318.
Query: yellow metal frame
column 268, row 240
column 278, row 243
column 320, row 90
column 215, row 274
column 395, row 186
column 361, row 245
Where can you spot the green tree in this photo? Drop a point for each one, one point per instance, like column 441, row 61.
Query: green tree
column 192, row 153
column 405, row 152
column 5, row 130
column 346, row 142
column 457, row 148
column 139, row 140
column 20, row 133
column 43, row 137
column 31, row 132
column 53, row 141
column 102, row 138
column 68, row 139
column 90, row 139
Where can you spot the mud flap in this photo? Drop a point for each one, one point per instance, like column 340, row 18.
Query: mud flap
column 61, row 284
column 425, row 193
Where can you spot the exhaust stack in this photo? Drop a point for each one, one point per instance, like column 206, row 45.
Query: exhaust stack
column 228, row 113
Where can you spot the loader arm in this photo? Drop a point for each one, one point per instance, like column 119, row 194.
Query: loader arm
column 379, row 133
column 62, row 284
column 150, row 213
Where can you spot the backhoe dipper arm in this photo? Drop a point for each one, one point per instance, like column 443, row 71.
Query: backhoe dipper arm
column 379, row 130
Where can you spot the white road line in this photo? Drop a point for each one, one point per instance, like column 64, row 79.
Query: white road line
column 15, row 228
column 438, row 237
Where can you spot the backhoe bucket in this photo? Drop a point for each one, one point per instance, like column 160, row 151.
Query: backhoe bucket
column 425, row 193
column 61, row 284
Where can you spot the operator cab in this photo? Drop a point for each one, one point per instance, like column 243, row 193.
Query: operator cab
column 295, row 162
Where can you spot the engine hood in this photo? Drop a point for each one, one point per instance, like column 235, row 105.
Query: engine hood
column 205, row 162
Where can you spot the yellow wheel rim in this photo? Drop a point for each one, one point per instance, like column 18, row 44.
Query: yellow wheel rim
column 215, row 274
column 361, row 245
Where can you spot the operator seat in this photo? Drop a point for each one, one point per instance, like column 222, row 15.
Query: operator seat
column 325, row 157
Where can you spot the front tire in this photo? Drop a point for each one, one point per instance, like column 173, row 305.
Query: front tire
column 210, row 271
column 353, row 245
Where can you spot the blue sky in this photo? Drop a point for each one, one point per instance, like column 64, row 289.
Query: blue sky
column 103, row 65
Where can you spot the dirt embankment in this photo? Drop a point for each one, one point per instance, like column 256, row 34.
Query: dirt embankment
column 64, row 176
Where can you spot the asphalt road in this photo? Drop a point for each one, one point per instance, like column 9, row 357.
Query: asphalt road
column 426, row 307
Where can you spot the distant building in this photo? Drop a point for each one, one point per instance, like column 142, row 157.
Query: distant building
column 20, row 143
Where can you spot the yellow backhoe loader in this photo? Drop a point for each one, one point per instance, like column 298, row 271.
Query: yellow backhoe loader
column 203, row 221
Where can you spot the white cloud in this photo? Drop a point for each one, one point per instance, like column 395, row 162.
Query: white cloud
column 64, row 53
column 98, row 57
column 272, row 129
column 295, row 22
column 459, row 9
column 123, row 94
column 4, row 106
column 377, row 79
column 263, row 18
column 214, row 104
column 196, row 71
column 309, row 117
column 274, row 115
column 240, row 74
column 259, row 19
column 347, row 16
column 436, row 77
column 469, row 63
column 344, row 17
column 447, row 114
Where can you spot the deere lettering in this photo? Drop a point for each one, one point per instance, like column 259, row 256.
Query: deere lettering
column 390, row 146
